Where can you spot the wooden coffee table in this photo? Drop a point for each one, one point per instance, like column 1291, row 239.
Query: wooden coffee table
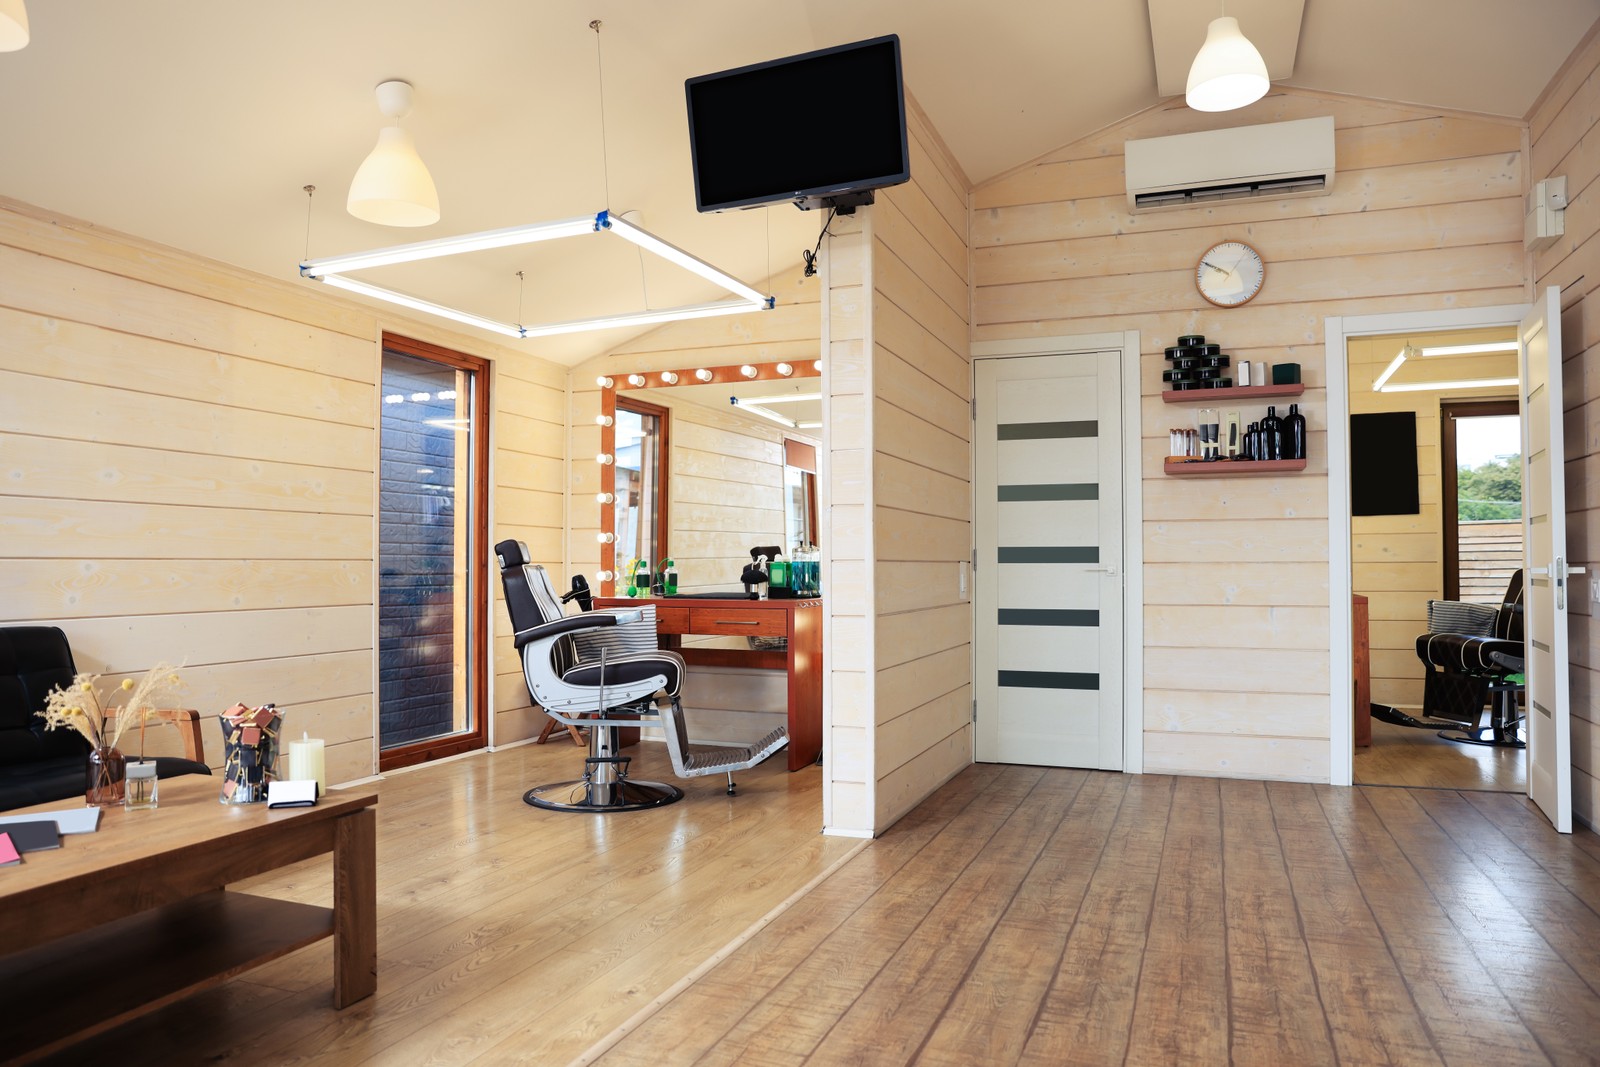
column 130, row 918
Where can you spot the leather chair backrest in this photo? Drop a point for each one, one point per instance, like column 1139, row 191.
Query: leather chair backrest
column 1508, row 623
column 531, row 599
column 33, row 661
column 520, row 602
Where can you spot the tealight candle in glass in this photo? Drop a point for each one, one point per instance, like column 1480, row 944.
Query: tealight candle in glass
column 142, row 785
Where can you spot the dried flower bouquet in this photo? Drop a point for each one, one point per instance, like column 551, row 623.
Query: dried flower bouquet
column 81, row 707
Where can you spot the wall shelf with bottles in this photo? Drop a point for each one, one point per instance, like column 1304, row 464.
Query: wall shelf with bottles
column 1230, row 468
column 1233, row 392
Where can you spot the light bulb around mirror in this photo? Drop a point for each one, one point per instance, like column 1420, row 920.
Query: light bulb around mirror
column 784, row 369
column 636, row 380
column 604, row 382
column 817, row 366
column 602, row 576
column 605, row 538
column 670, row 377
column 604, row 498
column 748, row 371
column 602, row 420
column 604, row 459
column 704, row 375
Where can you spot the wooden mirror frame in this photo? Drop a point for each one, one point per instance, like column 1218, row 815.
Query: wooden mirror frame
column 665, row 379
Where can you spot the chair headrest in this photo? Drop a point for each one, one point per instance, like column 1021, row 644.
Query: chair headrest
column 512, row 554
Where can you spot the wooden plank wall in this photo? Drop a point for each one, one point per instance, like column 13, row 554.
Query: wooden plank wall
column 530, row 441
column 1565, row 140
column 921, row 477
column 1397, row 561
column 849, row 596
column 189, row 454
column 897, row 392
column 1425, row 213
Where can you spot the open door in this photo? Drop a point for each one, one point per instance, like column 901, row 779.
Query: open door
column 1545, row 551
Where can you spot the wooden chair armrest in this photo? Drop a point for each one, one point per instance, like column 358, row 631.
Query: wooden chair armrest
column 187, row 720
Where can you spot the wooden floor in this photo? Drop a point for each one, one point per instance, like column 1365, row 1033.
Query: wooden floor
column 1401, row 755
column 1019, row 915
column 1064, row 917
column 507, row 933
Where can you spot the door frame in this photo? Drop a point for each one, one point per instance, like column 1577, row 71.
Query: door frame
column 1126, row 345
column 1337, row 331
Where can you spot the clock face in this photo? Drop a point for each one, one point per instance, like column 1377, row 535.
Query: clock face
column 1230, row 274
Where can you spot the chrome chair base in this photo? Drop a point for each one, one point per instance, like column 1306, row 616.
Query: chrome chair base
column 605, row 785
column 585, row 795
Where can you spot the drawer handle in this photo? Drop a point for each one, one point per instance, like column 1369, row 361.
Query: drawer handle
column 738, row 622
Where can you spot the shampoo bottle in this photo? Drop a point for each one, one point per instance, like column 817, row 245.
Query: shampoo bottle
column 1272, row 435
column 1294, row 434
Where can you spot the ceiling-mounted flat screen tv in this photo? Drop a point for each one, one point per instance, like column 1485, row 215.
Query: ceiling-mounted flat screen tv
column 821, row 129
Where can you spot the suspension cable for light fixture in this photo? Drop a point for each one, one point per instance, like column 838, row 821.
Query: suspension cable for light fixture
column 600, row 73
column 309, row 189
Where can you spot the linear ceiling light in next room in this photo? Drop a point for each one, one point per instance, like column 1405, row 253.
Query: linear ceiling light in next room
column 1228, row 72
column 392, row 187
column 13, row 25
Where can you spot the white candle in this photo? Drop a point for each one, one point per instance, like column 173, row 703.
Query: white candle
column 306, row 762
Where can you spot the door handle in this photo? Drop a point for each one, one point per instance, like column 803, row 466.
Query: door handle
column 1103, row 570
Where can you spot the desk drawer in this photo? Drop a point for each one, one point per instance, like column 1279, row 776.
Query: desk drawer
column 732, row 620
column 672, row 620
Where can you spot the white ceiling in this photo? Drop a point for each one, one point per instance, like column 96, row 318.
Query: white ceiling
column 195, row 123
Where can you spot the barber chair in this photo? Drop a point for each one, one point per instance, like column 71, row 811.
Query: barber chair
column 690, row 762
column 615, row 691
column 1478, row 655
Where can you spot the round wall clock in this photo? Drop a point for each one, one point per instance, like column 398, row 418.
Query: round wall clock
column 1230, row 274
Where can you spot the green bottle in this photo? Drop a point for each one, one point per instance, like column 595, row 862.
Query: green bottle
column 669, row 579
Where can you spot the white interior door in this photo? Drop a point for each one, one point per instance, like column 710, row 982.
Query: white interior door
column 1544, row 523
column 1049, row 578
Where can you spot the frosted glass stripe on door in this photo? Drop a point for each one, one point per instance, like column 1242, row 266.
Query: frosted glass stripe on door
column 1038, row 431
column 1068, row 491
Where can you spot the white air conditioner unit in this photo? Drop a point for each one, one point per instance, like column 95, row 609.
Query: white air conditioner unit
column 1275, row 159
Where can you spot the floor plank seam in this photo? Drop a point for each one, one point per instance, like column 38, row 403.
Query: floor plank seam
column 891, row 957
column 1150, row 914
column 1300, row 923
column 1066, row 941
column 667, row 996
column 1000, row 914
column 1495, row 978
column 1400, row 969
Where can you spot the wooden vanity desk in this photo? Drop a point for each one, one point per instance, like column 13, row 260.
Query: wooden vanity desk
column 800, row 621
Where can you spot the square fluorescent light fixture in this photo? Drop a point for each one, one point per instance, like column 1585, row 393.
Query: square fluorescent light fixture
column 333, row 270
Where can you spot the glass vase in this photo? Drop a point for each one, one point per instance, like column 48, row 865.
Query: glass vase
column 105, row 771
column 250, row 738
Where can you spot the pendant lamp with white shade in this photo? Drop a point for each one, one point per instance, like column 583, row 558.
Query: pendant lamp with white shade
column 13, row 25
column 1228, row 72
column 392, row 187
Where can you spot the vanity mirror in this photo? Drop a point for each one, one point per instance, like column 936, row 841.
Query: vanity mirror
column 699, row 465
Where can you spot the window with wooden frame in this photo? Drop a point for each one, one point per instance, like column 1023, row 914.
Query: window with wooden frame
column 1481, row 468
column 433, row 635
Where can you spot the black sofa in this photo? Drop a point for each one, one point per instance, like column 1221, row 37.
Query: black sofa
column 39, row 766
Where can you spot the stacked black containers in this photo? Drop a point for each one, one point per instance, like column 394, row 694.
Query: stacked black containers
column 1196, row 365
